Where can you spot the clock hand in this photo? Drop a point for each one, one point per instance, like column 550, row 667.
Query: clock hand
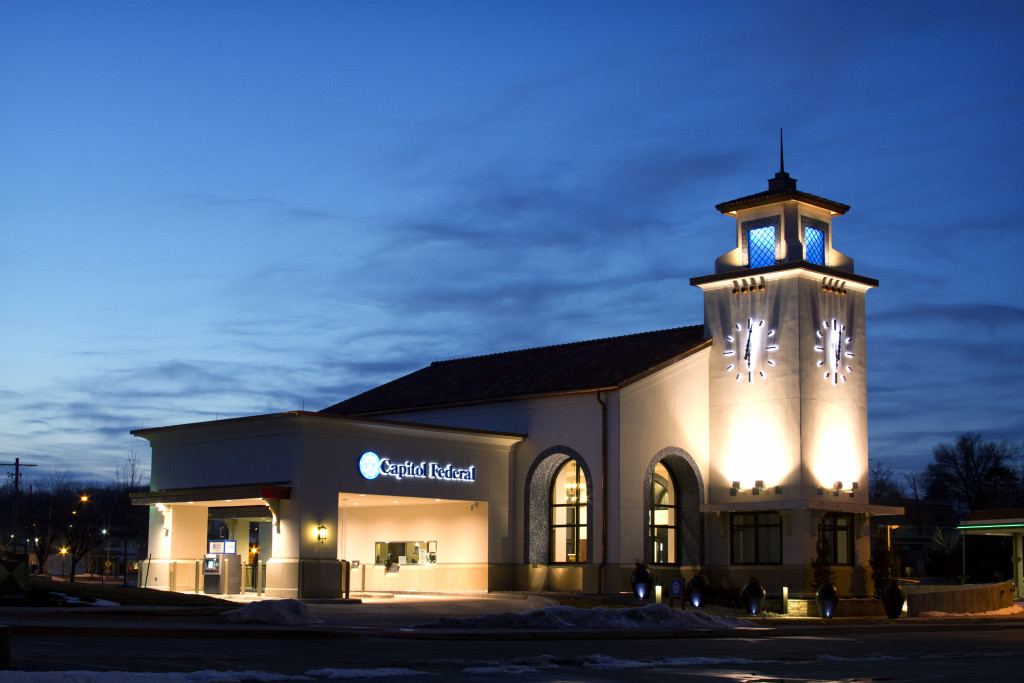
column 839, row 345
column 746, row 356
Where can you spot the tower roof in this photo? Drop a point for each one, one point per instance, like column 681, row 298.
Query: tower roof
column 774, row 196
column 781, row 188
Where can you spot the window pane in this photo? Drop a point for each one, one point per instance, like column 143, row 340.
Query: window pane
column 768, row 545
column 756, row 538
column 743, row 549
column 569, row 515
column 761, row 246
column 664, row 487
column 662, row 521
column 814, row 245
column 842, row 552
column 559, row 514
column 558, row 545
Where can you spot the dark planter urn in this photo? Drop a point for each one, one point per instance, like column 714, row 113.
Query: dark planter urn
column 893, row 600
column 753, row 597
column 642, row 581
column 696, row 590
column 827, row 599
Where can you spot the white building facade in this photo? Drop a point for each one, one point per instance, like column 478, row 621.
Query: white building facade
column 729, row 449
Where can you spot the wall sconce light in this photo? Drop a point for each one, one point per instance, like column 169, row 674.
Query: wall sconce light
column 755, row 490
column 321, row 533
column 166, row 512
column 837, row 488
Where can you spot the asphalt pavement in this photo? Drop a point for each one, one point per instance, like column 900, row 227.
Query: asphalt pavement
column 380, row 632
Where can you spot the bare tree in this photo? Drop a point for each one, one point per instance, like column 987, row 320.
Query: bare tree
column 43, row 527
column 78, row 519
column 129, row 481
column 973, row 474
column 882, row 483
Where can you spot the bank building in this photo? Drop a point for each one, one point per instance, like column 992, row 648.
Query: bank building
column 726, row 448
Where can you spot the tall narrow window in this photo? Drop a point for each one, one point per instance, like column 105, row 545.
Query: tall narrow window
column 756, row 538
column 761, row 246
column 663, row 532
column 836, row 533
column 814, row 245
column 569, row 514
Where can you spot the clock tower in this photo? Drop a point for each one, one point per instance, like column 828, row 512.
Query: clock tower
column 787, row 392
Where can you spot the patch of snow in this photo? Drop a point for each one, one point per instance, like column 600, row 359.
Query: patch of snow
column 336, row 674
column 654, row 617
column 511, row 669
column 290, row 612
column 606, row 663
column 1004, row 612
column 74, row 600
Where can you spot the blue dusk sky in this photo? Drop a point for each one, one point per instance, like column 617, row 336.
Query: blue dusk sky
column 217, row 209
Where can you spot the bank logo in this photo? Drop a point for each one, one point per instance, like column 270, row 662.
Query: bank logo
column 369, row 465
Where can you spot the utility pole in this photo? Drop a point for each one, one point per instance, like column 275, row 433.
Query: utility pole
column 17, row 465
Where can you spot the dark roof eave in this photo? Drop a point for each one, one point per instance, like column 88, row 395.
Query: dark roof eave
column 279, row 490
column 346, row 417
column 770, row 197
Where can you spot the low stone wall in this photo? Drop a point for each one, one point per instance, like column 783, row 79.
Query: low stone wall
column 961, row 599
column 847, row 607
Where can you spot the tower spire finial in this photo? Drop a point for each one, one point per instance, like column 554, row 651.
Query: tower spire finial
column 782, row 161
column 781, row 181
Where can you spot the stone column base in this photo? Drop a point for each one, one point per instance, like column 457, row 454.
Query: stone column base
column 303, row 579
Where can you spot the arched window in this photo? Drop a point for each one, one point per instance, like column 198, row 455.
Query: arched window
column 663, row 531
column 569, row 514
column 673, row 525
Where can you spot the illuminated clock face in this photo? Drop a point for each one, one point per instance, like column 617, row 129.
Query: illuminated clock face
column 750, row 349
column 835, row 349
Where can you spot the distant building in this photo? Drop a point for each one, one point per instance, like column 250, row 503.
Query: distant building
column 728, row 448
column 1007, row 523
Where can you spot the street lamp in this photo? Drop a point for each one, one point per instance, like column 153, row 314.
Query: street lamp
column 106, row 566
column 888, row 535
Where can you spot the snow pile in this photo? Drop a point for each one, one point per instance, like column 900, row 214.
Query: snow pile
column 1004, row 612
column 528, row 665
column 290, row 612
column 335, row 674
column 66, row 599
column 607, row 663
column 652, row 617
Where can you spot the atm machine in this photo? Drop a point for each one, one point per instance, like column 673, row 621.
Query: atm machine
column 222, row 570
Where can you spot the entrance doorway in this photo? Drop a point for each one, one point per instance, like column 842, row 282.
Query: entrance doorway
column 250, row 527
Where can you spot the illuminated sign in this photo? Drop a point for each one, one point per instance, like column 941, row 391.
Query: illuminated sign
column 372, row 466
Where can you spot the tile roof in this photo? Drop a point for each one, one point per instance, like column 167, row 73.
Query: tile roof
column 579, row 366
column 776, row 196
